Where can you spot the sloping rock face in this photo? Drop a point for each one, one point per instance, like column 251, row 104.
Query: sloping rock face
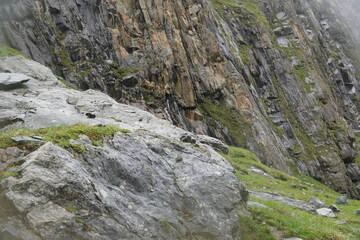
column 146, row 184
column 272, row 76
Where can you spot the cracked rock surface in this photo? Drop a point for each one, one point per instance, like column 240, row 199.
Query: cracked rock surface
column 146, row 184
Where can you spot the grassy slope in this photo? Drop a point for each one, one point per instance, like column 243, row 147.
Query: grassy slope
column 7, row 51
column 290, row 221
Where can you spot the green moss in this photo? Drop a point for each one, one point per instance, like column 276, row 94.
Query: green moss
column 62, row 135
column 8, row 51
column 247, row 10
column 8, row 174
column 70, row 208
column 245, row 53
column 218, row 112
column 241, row 158
column 120, row 73
column 64, row 59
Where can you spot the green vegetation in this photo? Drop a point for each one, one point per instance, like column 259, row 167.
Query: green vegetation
column 248, row 11
column 253, row 228
column 245, row 53
column 218, row 113
column 64, row 59
column 286, row 220
column 120, row 73
column 8, row 174
column 61, row 135
column 70, row 208
column 8, row 51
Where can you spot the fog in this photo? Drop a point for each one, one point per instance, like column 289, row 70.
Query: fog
column 349, row 10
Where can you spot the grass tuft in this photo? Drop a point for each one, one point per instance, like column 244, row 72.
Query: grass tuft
column 62, row 135
column 8, row 51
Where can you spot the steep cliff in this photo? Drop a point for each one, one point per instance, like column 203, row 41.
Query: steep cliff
column 277, row 77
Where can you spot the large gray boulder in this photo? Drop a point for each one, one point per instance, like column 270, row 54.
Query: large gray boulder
column 132, row 188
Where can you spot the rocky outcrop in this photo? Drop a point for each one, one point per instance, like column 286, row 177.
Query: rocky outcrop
column 133, row 187
column 271, row 76
column 147, row 184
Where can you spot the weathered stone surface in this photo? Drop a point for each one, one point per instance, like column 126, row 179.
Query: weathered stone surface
column 317, row 203
column 342, row 200
column 27, row 140
column 132, row 187
column 12, row 80
column 256, row 204
column 9, row 156
column 325, row 212
column 334, row 208
column 131, row 51
column 259, row 171
column 286, row 200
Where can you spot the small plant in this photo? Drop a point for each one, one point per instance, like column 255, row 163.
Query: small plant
column 70, row 208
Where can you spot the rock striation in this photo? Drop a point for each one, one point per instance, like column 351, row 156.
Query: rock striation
column 276, row 77
column 147, row 184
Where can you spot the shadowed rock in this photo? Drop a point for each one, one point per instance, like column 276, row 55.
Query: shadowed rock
column 12, row 80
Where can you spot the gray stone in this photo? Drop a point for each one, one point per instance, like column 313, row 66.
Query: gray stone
column 213, row 142
column 14, row 169
column 334, row 208
column 256, row 204
column 27, row 140
column 341, row 222
column 358, row 212
column 286, row 200
column 12, row 80
column 317, row 203
column 188, row 138
column 293, row 238
column 342, row 200
column 138, row 190
column 258, row 171
column 325, row 212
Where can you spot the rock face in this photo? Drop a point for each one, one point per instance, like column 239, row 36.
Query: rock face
column 275, row 77
column 147, row 184
column 132, row 187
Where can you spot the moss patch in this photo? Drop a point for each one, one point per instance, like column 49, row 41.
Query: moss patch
column 8, row 51
column 218, row 112
column 61, row 135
